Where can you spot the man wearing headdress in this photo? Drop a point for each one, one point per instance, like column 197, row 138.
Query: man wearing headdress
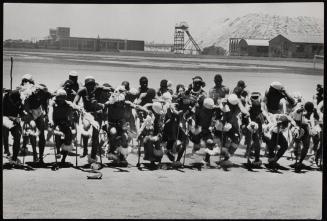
column 90, row 94
column 35, row 100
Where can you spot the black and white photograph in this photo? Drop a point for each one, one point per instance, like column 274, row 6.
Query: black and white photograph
column 163, row 111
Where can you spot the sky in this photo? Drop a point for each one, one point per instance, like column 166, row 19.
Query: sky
column 148, row 22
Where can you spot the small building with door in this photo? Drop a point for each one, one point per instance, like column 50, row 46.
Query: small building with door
column 248, row 47
column 254, row 47
column 296, row 46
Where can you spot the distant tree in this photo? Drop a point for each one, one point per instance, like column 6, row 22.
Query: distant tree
column 214, row 50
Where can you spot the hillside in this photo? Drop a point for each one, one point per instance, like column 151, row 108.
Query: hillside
column 259, row 26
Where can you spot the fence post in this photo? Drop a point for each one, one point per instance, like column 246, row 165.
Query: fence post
column 11, row 65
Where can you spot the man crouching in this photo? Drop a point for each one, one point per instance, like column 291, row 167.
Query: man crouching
column 60, row 110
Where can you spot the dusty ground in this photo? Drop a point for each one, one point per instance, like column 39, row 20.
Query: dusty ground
column 192, row 194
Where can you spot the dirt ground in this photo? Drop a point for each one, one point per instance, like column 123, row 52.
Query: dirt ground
column 170, row 194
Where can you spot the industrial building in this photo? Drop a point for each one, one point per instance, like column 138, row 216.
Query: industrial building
column 291, row 46
column 248, row 47
column 253, row 47
column 299, row 46
column 60, row 39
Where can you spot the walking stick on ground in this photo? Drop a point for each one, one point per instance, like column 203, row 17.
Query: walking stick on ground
column 186, row 145
column 139, row 153
column 297, row 147
column 26, row 167
column 223, row 121
column 290, row 141
column 184, row 156
column 221, row 145
column 299, row 168
column 249, row 151
column 55, row 167
column 24, row 152
column 185, row 152
column 24, row 157
column 76, row 152
column 250, row 146
column 176, row 139
column 100, row 152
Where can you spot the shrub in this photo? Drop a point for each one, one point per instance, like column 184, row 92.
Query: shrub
column 214, row 50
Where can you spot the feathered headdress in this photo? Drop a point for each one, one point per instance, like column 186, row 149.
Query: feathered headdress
column 27, row 90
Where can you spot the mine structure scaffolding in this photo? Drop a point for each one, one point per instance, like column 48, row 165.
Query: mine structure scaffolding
column 179, row 46
column 234, row 47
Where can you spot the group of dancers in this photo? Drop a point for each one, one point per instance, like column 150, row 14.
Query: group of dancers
column 162, row 121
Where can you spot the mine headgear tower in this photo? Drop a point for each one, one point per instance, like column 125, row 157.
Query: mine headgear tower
column 179, row 46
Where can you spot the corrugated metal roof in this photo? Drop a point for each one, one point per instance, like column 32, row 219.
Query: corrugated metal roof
column 303, row 38
column 257, row 42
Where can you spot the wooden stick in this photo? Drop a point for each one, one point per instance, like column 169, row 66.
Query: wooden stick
column 11, row 65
